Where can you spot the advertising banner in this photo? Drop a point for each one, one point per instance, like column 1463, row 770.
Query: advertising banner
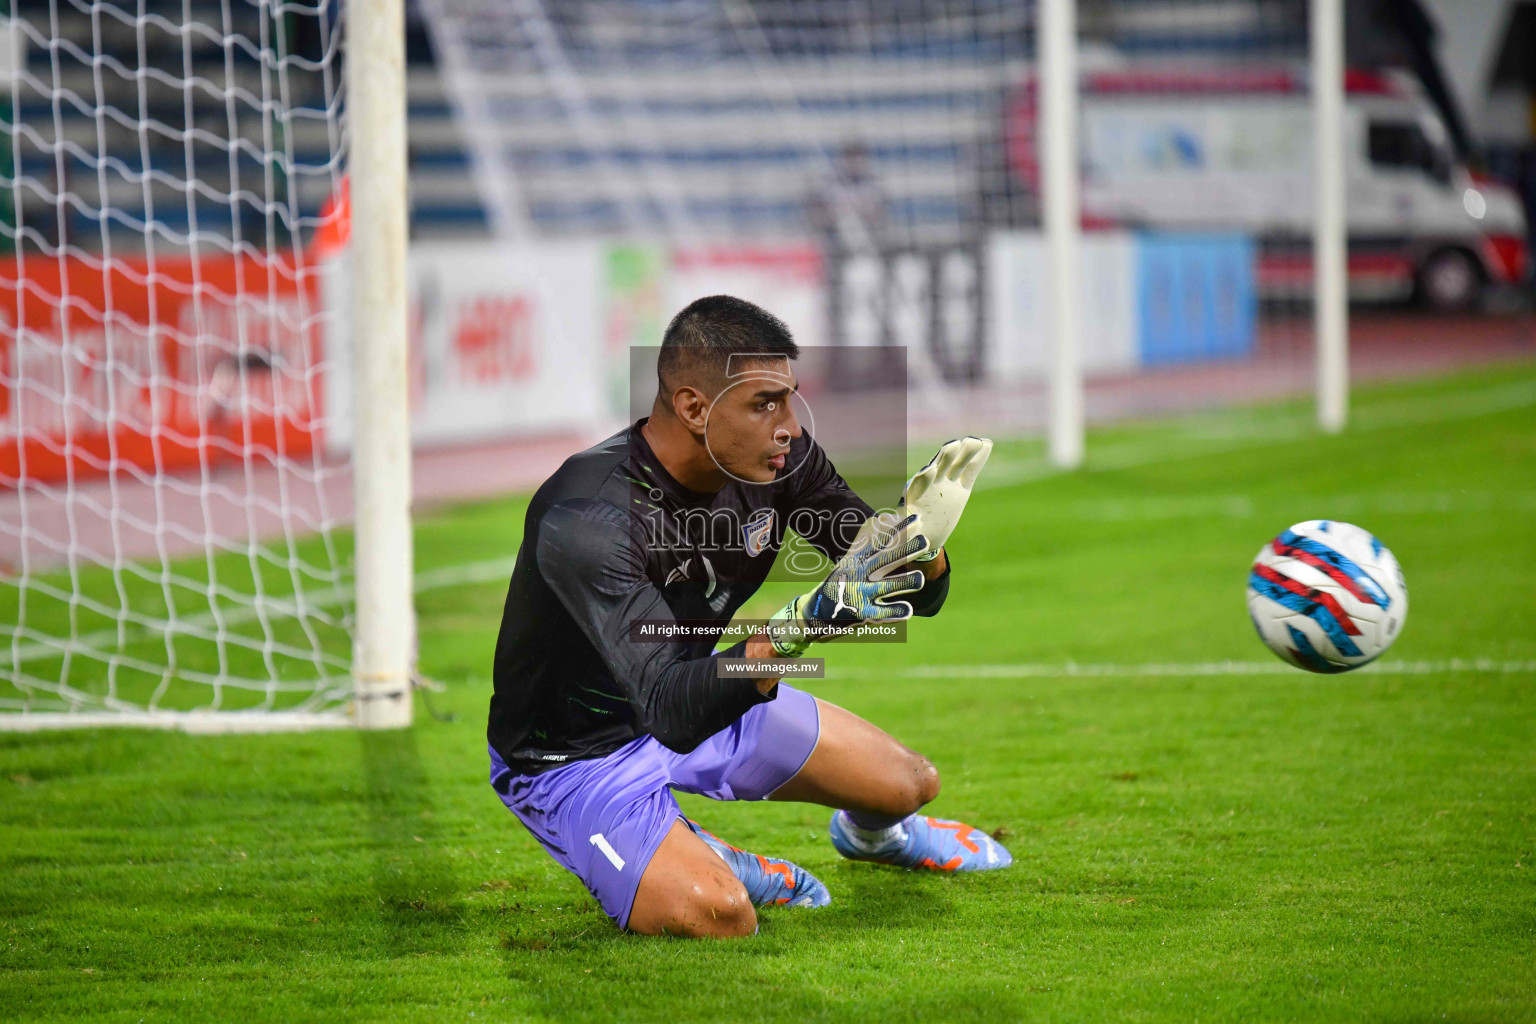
column 185, row 363
column 645, row 285
column 1147, row 299
column 1020, row 299
column 505, row 340
column 1195, row 297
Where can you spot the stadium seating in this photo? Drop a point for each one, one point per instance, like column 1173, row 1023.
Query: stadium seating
column 738, row 160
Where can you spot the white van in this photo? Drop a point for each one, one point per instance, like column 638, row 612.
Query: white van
column 1232, row 150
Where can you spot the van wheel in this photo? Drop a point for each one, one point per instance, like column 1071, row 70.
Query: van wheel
column 1450, row 281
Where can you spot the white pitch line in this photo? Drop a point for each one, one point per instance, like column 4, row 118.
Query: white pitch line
column 488, row 571
column 1069, row 670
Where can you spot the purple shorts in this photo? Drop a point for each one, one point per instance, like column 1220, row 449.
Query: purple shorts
column 603, row 818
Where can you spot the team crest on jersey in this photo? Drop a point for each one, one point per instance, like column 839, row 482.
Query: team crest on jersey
column 757, row 532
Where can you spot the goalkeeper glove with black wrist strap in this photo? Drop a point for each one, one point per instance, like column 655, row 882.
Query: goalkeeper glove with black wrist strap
column 851, row 594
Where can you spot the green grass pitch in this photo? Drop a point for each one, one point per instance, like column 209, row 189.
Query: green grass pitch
column 1193, row 840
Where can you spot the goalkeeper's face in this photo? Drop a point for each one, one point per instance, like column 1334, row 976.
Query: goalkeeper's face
column 752, row 420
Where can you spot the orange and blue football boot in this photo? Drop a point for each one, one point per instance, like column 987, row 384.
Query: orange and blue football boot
column 921, row 842
column 769, row 881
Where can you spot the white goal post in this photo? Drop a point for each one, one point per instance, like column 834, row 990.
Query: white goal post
column 1330, row 244
column 386, row 626
column 1061, row 220
column 191, row 536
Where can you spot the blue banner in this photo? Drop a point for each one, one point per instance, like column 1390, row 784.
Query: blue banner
column 1195, row 297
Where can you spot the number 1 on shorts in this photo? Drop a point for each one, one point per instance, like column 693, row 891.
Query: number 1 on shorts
column 608, row 851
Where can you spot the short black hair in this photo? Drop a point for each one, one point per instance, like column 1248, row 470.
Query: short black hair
column 701, row 340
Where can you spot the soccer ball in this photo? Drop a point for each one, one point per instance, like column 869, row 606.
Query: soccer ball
column 1327, row 596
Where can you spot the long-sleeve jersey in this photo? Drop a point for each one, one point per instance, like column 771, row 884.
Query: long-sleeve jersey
column 612, row 543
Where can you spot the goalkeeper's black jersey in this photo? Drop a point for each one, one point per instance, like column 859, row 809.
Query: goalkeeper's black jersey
column 612, row 541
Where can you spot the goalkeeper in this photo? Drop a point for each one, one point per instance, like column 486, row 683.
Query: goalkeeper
column 593, row 722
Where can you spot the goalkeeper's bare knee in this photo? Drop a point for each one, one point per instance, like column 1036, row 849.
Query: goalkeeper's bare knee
column 923, row 782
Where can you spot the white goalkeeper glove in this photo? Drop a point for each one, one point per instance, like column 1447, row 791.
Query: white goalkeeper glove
column 939, row 491
column 854, row 592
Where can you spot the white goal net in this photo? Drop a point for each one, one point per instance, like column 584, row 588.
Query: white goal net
column 173, row 541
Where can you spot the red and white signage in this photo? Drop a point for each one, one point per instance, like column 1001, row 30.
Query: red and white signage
column 185, row 363
column 504, row 341
column 213, row 361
